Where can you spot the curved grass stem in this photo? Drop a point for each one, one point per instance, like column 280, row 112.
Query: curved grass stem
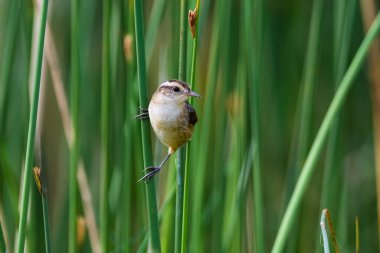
column 332, row 112
column 35, row 77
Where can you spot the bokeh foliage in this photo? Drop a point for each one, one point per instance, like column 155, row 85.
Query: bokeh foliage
column 250, row 70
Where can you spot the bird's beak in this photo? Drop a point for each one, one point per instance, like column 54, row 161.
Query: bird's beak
column 193, row 94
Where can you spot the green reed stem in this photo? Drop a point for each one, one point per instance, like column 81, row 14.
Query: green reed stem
column 74, row 101
column 304, row 116
column 6, row 59
column 181, row 154
column 308, row 83
column 188, row 149
column 195, row 47
column 45, row 212
column 35, row 76
column 169, row 198
column 129, row 146
column 105, row 126
column 145, row 129
column 197, row 233
column 357, row 235
column 40, row 179
column 332, row 112
column 255, row 67
column 2, row 240
column 154, row 22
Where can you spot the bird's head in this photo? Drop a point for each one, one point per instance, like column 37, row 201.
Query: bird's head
column 174, row 91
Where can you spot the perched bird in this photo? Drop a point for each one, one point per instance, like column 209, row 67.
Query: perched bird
column 172, row 118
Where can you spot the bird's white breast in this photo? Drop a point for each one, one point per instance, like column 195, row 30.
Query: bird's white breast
column 164, row 114
column 165, row 120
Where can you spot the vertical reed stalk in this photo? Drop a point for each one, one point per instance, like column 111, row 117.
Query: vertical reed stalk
column 74, row 100
column 86, row 197
column 35, row 78
column 357, row 235
column 105, row 90
column 128, row 128
column 2, row 240
column 308, row 83
column 187, row 165
column 40, row 179
column 204, row 129
column 255, row 68
column 224, row 179
column 332, row 112
column 145, row 128
column 153, row 27
column 45, row 212
column 6, row 59
column 181, row 153
column 368, row 8
column 302, row 125
column 305, row 107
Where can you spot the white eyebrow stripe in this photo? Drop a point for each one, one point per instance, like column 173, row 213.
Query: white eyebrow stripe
column 176, row 83
column 171, row 84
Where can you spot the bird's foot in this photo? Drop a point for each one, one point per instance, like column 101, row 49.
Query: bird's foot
column 151, row 172
column 143, row 114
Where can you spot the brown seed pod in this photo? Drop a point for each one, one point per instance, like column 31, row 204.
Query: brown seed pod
column 192, row 17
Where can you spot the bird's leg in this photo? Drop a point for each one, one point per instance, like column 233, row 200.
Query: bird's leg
column 154, row 170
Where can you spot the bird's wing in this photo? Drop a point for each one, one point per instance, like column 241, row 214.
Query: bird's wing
column 143, row 114
column 193, row 118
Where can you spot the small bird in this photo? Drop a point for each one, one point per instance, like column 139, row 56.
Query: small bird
column 172, row 118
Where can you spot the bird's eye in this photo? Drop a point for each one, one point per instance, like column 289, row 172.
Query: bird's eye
column 176, row 89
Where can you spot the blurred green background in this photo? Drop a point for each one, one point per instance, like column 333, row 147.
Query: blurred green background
column 259, row 62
